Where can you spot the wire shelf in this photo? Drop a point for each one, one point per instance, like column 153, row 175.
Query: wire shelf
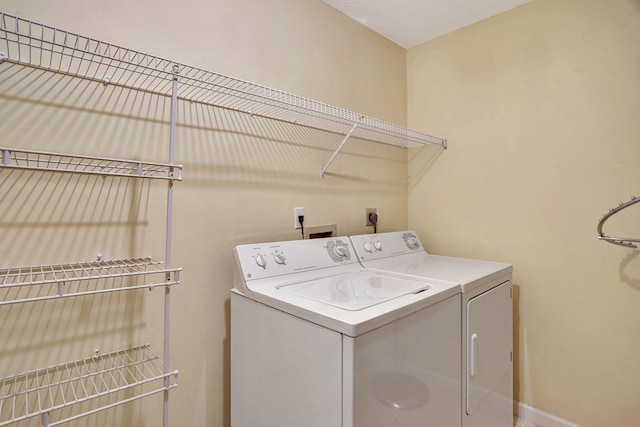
column 45, row 47
column 28, row 284
column 45, row 161
column 42, row 391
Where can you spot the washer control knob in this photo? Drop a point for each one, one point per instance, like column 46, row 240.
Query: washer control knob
column 367, row 247
column 378, row 245
column 413, row 242
column 280, row 259
column 261, row 261
column 340, row 251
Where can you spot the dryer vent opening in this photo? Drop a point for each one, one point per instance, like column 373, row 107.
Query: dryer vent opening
column 321, row 231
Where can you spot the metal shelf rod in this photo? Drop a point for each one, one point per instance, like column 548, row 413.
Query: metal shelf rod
column 168, row 236
column 148, row 286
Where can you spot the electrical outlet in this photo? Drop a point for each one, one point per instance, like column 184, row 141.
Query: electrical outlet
column 296, row 213
column 368, row 211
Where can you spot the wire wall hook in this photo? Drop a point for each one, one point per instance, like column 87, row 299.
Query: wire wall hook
column 620, row 241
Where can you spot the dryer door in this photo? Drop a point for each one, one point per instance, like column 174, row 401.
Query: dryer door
column 489, row 338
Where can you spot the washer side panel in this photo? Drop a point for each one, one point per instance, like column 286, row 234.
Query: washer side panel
column 285, row 372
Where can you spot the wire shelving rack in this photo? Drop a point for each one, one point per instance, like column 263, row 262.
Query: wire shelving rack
column 45, row 48
column 56, row 162
column 49, row 48
column 42, row 391
column 78, row 279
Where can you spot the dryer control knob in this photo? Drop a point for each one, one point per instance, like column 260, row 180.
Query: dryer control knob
column 378, row 245
column 367, row 246
column 413, row 242
column 340, row 251
column 280, row 259
column 261, row 261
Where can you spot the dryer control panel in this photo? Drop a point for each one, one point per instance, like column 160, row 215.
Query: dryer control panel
column 369, row 247
column 262, row 260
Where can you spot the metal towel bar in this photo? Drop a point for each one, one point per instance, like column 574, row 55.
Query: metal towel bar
column 621, row 241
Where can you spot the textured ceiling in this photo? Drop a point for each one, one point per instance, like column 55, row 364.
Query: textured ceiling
column 409, row 23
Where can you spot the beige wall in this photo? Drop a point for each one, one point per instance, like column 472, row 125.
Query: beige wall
column 541, row 107
column 243, row 176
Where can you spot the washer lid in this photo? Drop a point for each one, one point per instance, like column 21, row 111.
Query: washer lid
column 355, row 291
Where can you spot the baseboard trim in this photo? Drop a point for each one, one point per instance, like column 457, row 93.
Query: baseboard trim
column 539, row 417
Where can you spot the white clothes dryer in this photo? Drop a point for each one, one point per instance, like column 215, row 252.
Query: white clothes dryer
column 486, row 317
column 318, row 341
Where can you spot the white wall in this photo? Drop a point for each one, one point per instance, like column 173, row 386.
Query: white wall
column 541, row 106
column 242, row 176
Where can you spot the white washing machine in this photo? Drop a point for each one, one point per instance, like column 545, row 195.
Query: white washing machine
column 486, row 314
column 318, row 341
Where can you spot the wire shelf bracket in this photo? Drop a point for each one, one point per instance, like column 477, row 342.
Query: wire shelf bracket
column 344, row 141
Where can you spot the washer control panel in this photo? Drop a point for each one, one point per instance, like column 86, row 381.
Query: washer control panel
column 262, row 260
column 382, row 245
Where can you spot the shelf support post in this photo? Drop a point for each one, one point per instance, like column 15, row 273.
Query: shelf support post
column 167, row 289
column 344, row 141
